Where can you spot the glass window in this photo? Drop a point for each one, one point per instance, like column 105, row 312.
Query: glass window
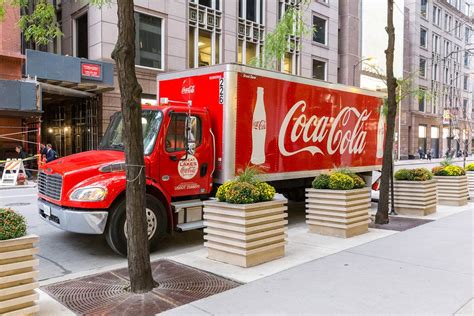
column 466, row 83
column 424, row 8
column 175, row 136
column 422, row 67
column 319, row 69
column 422, row 131
column 204, row 48
column 148, row 41
column 82, row 43
column 423, row 35
column 288, row 63
column 319, row 33
column 434, row 132
column 421, row 101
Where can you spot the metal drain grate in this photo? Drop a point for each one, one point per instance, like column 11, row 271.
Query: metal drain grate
column 105, row 293
column 400, row 223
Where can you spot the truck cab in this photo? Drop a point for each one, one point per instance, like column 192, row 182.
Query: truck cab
column 85, row 192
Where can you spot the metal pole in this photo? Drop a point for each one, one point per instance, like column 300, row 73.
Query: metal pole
column 354, row 74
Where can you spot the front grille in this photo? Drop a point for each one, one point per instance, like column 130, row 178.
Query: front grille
column 50, row 185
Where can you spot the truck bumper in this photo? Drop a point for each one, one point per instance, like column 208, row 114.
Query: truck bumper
column 71, row 220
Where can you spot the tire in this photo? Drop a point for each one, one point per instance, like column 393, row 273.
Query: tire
column 115, row 233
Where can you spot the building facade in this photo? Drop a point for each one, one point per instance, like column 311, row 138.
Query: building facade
column 179, row 34
column 433, row 55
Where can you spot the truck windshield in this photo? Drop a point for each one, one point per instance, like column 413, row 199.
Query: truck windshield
column 113, row 138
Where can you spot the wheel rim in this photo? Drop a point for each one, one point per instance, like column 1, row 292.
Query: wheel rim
column 151, row 224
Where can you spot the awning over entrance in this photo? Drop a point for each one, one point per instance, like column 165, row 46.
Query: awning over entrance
column 18, row 97
column 65, row 74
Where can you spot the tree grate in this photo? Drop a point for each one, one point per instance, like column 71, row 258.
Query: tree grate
column 106, row 293
column 400, row 223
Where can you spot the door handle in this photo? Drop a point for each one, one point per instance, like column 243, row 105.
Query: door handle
column 203, row 170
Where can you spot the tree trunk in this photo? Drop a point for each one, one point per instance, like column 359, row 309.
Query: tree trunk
column 382, row 210
column 139, row 267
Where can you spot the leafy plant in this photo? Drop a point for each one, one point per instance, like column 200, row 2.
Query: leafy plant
column 12, row 224
column 419, row 174
column 403, row 175
column 470, row 167
column 359, row 182
column 340, row 181
column 448, row 171
column 249, row 175
column 446, row 162
column 321, row 181
column 242, row 193
column 266, row 192
column 222, row 190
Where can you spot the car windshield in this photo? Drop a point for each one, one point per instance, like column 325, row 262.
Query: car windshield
column 113, row 138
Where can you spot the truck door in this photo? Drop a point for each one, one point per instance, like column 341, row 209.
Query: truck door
column 181, row 173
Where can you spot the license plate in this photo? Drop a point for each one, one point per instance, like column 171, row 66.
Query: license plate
column 47, row 209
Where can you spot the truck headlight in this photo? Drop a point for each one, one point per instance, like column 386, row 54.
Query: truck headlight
column 89, row 194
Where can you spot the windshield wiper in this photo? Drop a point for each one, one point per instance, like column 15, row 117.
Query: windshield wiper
column 116, row 146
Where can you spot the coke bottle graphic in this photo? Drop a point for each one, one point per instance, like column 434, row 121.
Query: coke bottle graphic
column 259, row 130
column 380, row 134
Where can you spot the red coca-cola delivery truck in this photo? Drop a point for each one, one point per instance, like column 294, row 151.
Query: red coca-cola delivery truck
column 211, row 124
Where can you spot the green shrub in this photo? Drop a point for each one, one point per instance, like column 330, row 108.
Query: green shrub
column 403, row 175
column 242, row 193
column 12, row 225
column 340, row 181
column 470, row 167
column 438, row 171
column 321, row 182
column 454, row 171
column 359, row 182
column 222, row 190
column 421, row 174
column 266, row 192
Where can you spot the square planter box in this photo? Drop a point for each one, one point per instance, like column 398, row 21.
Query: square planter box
column 470, row 178
column 245, row 234
column 415, row 197
column 452, row 190
column 18, row 276
column 343, row 213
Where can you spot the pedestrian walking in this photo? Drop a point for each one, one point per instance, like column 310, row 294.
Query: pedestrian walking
column 428, row 155
column 50, row 153
column 421, row 153
column 22, row 155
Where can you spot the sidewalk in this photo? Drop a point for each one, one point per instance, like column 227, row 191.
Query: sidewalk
column 425, row 270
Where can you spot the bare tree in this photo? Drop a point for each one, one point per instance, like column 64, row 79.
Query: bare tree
column 382, row 210
column 139, row 267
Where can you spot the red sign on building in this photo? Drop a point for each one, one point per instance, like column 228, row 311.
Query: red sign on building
column 91, row 71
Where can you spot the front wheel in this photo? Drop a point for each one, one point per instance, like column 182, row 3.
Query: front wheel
column 116, row 232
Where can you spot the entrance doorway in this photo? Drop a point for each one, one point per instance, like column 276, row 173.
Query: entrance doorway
column 70, row 124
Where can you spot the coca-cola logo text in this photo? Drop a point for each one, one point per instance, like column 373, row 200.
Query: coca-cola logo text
column 259, row 125
column 188, row 90
column 313, row 130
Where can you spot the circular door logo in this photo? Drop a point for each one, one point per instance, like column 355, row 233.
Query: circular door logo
column 188, row 168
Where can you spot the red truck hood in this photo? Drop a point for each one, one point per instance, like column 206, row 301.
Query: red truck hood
column 85, row 161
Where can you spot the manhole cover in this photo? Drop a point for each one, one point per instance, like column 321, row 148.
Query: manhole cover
column 105, row 293
column 17, row 204
column 400, row 223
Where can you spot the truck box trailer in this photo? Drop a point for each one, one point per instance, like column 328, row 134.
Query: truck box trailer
column 211, row 123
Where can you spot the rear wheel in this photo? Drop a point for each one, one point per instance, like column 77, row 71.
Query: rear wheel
column 116, row 232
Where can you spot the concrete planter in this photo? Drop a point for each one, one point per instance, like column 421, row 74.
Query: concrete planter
column 452, row 190
column 18, row 276
column 245, row 234
column 470, row 178
column 417, row 198
column 337, row 213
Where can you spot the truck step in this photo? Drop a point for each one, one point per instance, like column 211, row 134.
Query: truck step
column 180, row 205
column 190, row 226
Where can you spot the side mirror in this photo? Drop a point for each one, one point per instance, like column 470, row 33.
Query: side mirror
column 190, row 137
